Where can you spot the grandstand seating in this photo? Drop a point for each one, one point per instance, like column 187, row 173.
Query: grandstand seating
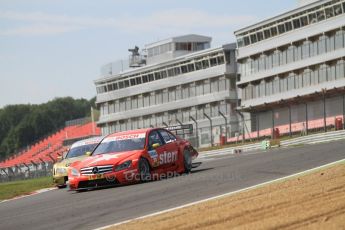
column 49, row 148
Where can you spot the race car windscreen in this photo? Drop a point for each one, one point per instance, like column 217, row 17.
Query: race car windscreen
column 115, row 145
column 80, row 150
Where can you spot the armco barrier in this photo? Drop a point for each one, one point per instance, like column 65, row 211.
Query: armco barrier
column 310, row 139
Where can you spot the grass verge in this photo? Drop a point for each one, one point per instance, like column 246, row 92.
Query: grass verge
column 23, row 187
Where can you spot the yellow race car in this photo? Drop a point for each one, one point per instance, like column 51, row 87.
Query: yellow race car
column 77, row 152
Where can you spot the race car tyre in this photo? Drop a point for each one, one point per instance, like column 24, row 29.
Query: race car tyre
column 144, row 170
column 61, row 186
column 187, row 161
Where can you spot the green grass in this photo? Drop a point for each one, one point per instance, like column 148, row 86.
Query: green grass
column 23, row 187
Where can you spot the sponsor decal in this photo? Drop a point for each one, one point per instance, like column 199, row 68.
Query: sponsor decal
column 167, row 157
column 124, row 137
column 154, row 156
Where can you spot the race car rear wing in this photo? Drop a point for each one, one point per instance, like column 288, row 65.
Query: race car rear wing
column 181, row 130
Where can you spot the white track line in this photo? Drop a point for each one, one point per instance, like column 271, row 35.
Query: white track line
column 31, row 194
column 223, row 195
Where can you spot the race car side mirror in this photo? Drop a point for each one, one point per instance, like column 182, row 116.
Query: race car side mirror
column 88, row 154
column 59, row 158
column 155, row 145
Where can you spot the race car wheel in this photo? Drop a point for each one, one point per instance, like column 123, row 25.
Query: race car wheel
column 187, row 160
column 144, row 170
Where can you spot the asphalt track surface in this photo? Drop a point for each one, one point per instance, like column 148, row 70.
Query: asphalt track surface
column 62, row 209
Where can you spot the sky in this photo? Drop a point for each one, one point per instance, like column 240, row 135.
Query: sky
column 55, row 48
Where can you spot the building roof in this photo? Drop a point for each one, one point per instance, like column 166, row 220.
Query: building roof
column 183, row 38
column 280, row 16
column 165, row 63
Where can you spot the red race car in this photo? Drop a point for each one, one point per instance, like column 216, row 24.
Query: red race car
column 132, row 156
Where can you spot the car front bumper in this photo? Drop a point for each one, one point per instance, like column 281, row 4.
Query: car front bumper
column 82, row 182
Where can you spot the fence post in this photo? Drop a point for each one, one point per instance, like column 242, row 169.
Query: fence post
column 196, row 131
column 211, row 128
column 226, row 125
column 272, row 124
column 243, row 130
column 257, row 125
column 306, row 118
column 324, row 109
column 343, row 111
column 290, row 131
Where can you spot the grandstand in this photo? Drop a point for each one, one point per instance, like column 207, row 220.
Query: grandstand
column 48, row 149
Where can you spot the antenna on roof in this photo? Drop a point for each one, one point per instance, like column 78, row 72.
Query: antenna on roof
column 136, row 59
column 135, row 51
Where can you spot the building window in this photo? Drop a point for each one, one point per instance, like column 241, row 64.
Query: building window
column 296, row 23
column 276, row 55
column 222, row 84
column 152, row 99
column 253, row 38
column 268, row 88
column 192, row 90
column 262, row 90
column 314, row 77
column 134, row 102
column 128, row 104
column 185, row 92
column 329, row 12
column 288, row 26
column 339, row 39
column 220, row 60
column 205, row 64
column 276, row 88
column 158, row 95
column 158, row 76
column 304, row 20
column 291, row 81
column 322, row 73
column 146, row 98
column 184, row 69
column 140, row 102
column 306, row 77
column 207, row 87
column 185, row 115
column 165, row 96
column 340, row 69
column 122, row 105
column 312, row 18
column 200, row 112
column 172, row 94
column 213, row 61
column 117, row 106
column 191, row 67
column 320, row 15
column 260, row 36
column 337, row 9
column 281, row 28
column 198, row 65
column 199, row 88
column 331, row 76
